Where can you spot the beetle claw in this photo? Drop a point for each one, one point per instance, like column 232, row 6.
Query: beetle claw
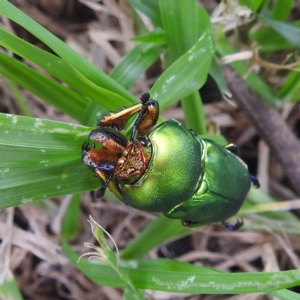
column 236, row 226
column 86, row 146
column 255, row 181
column 100, row 192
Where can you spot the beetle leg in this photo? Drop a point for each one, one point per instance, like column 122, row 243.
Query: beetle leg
column 236, row 226
column 255, row 181
column 102, row 159
column 104, row 163
column 118, row 119
column 147, row 116
column 105, row 159
column 109, row 138
column 148, row 112
column 101, row 191
column 109, row 181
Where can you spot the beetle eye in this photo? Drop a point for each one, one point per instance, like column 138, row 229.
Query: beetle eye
column 144, row 142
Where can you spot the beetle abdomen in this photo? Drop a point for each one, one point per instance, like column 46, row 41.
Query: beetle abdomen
column 223, row 189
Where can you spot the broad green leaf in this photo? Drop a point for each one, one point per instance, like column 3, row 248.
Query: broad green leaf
column 185, row 75
column 180, row 38
column 41, row 159
column 203, row 281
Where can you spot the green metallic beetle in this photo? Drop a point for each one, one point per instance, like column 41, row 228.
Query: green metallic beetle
column 167, row 168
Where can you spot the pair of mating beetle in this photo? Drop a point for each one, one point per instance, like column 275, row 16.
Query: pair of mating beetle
column 167, row 168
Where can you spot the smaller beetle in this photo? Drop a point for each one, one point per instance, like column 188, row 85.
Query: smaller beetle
column 167, row 168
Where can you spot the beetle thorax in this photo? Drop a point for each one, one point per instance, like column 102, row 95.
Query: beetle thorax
column 133, row 163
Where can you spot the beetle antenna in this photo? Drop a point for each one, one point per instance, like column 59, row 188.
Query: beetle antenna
column 145, row 97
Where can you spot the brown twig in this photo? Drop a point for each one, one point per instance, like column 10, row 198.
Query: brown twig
column 269, row 125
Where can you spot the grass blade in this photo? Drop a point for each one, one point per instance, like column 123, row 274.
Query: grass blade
column 74, row 59
column 41, row 159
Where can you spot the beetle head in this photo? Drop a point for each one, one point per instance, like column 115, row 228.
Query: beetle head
column 133, row 163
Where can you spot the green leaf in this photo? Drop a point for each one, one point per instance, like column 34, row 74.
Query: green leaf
column 254, row 5
column 180, row 38
column 290, row 89
column 185, row 75
column 15, row 90
column 290, row 32
column 135, row 63
column 217, row 74
column 87, row 69
column 269, row 40
column 155, row 36
column 172, row 277
column 174, row 16
column 106, row 254
column 9, row 288
column 152, row 236
column 41, row 159
column 281, row 9
column 148, row 8
column 63, row 71
column 44, row 87
column 285, row 294
column 71, row 219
